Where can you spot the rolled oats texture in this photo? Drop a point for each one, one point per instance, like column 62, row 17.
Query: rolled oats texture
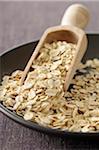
column 42, row 99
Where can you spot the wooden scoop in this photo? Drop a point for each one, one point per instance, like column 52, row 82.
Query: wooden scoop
column 75, row 17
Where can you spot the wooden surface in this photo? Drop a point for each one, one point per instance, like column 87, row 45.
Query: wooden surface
column 20, row 22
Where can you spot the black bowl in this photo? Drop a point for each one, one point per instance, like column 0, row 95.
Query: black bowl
column 17, row 59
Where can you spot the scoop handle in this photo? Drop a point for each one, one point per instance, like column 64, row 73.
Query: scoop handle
column 76, row 15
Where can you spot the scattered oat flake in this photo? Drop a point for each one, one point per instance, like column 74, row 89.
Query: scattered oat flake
column 28, row 115
column 51, row 92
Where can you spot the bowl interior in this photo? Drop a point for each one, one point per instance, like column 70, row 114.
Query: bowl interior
column 18, row 57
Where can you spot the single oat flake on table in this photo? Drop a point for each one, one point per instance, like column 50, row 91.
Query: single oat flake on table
column 41, row 98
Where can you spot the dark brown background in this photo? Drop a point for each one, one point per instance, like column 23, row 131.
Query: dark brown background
column 22, row 22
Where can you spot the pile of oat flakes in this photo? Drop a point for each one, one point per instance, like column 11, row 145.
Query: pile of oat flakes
column 42, row 99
